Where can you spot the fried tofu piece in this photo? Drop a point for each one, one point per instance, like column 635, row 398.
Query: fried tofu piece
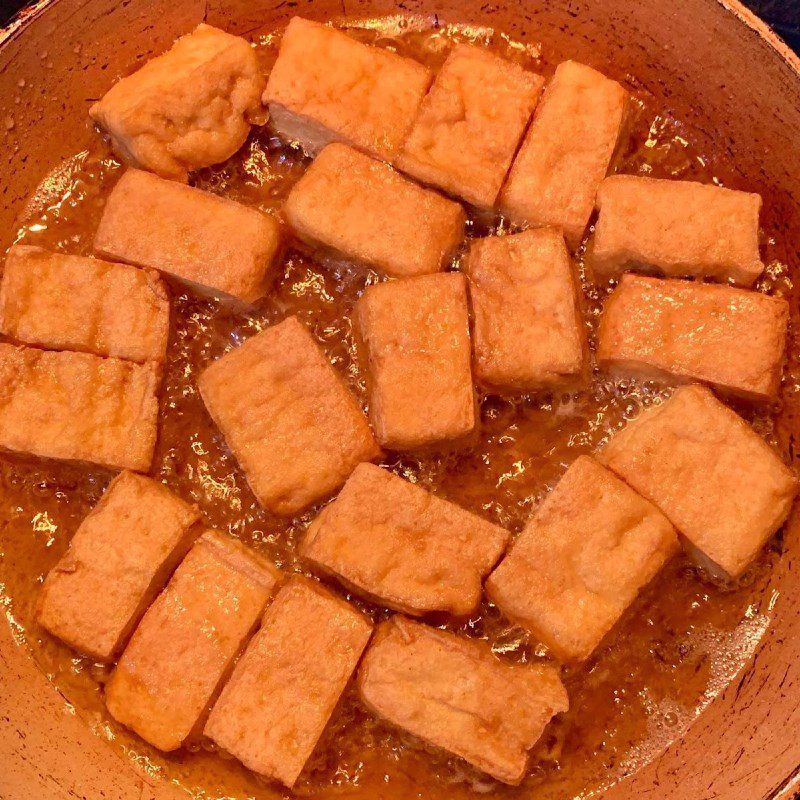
column 713, row 476
column 188, row 108
column 73, row 303
column 402, row 546
column 470, row 123
column 290, row 420
column 588, row 549
column 284, row 689
column 528, row 330
column 118, row 560
column 455, row 694
column 566, row 151
column 677, row 229
column 78, row 407
column 184, row 647
column 216, row 246
column 366, row 211
column 414, row 335
column 327, row 87
column 733, row 339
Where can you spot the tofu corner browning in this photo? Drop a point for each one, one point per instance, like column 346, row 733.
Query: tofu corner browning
column 188, row 108
column 455, row 694
column 288, row 417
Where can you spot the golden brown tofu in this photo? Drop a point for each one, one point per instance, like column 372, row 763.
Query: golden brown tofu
column 368, row 212
column 216, row 246
column 74, row 303
column 414, row 336
column 455, row 694
column 118, row 560
column 326, row 87
column 470, row 123
column 290, row 420
column 716, row 479
column 589, row 548
column 733, row 339
column 528, row 330
column 566, row 151
column 169, row 674
column 188, row 108
column 402, row 546
column 286, row 685
column 78, row 407
column 676, row 228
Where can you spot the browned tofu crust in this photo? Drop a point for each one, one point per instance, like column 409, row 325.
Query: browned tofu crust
column 118, row 560
column 215, row 245
column 78, row 407
column 290, row 420
column 733, row 339
column 187, row 641
column 677, row 228
column 74, row 303
column 365, row 210
column 286, row 685
column 528, row 331
column 581, row 560
column 396, row 543
column 414, row 339
column 455, row 694
column 716, row 479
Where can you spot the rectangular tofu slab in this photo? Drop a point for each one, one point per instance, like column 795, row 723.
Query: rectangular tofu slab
column 286, row 685
column 188, row 108
column 85, row 304
column 676, row 228
column 414, row 337
column 589, row 548
column 327, row 87
column 470, row 123
column 528, row 330
column 368, row 212
column 186, row 643
column 213, row 244
column 78, row 407
column 716, row 479
column 733, row 339
column 566, row 152
column 455, row 694
column 403, row 547
column 290, row 420
column 118, row 560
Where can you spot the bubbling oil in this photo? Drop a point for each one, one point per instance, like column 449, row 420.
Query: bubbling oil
column 682, row 641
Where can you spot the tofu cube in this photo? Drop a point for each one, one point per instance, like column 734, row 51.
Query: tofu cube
column 470, row 123
column 414, row 337
column 214, row 245
column 366, row 211
column 455, row 694
column 288, row 417
column 566, row 151
column 170, row 672
column 588, row 549
column 284, row 688
column 677, row 229
column 733, row 339
column 717, row 480
column 188, row 108
column 78, row 407
column 402, row 546
column 327, row 87
column 528, row 330
column 85, row 304
column 118, row 560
